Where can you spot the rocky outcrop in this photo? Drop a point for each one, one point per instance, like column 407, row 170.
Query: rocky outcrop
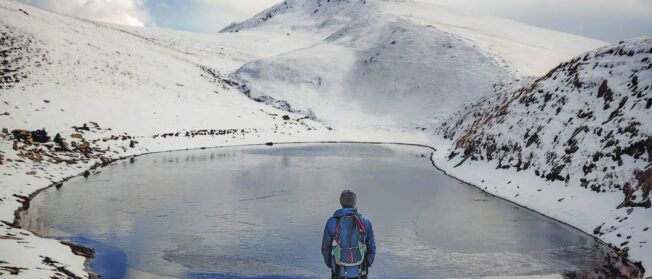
column 588, row 122
column 18, row 54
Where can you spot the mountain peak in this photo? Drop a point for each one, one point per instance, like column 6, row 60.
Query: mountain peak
column 313, row 14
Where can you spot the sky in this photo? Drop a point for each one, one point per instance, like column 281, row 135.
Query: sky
column 608, row 20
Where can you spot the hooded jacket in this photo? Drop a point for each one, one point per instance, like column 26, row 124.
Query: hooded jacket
column 327, row 241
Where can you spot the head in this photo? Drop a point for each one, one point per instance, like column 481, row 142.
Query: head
column 348, row 199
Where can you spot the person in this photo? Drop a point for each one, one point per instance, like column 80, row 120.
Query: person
column 348, row 245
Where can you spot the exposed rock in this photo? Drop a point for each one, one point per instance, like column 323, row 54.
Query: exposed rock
column 59, row 267
column 615, row 265
column 83, row 128
column 40, row 136
column 582, row 123
column 12, row 269
column 61, row 142
column 80, row 250
column 19, row 54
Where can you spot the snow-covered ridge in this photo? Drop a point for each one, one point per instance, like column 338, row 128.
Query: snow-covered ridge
column 70, row 71
column 153, row 90
column 399, row 63
column 586, row 124
column 380, row 70
column 312, row 14
column 588, row 114
column 369, row 66
column 527, row 50
column 137, row 92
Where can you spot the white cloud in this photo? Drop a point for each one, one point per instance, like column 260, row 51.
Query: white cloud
column 125, row 12
column 609, row 20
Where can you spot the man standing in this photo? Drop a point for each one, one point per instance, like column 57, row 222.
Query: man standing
column 348, row 245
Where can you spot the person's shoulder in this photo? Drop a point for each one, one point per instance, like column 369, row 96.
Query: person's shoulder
column 365, row 219
column 331, row 219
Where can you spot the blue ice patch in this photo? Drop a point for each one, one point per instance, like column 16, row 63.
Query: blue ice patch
column 109, row 262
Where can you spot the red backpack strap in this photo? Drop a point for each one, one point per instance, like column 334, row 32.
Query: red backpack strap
column 358, row 222
column 361, row 226
column 336, row 234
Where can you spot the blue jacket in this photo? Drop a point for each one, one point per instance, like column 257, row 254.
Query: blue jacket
column 329, row 232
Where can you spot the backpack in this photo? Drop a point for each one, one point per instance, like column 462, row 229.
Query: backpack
column 349, row 246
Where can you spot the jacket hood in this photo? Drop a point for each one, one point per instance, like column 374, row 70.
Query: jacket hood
column 344, row 211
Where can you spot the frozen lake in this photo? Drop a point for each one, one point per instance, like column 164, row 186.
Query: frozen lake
column 260, row 211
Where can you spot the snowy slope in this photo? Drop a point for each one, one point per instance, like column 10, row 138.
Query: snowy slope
column 586, row 124
column 365, row 70
column 352, row 76
column 127, row 94
column 527, row 50
column 95, row 65
column 379, row 64
column 304, row 15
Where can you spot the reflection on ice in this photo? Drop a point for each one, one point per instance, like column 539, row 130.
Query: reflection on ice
column 260, row 211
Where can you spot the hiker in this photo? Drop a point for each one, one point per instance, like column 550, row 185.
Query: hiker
column 348, row 245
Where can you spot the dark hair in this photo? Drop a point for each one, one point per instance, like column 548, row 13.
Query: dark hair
column 348, row 199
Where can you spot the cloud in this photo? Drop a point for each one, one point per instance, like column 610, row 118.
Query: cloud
column 125, row 12
column 609, row 20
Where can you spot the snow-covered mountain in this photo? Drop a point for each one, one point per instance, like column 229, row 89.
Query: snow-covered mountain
column 103, row 92
column 360, row 70
column 305, row 15
column 587, row 123
column 61, row 71
column 374, row 65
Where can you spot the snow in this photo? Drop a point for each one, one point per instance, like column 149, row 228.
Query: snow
column 525, row 49
column 393, row 62
column 580, row 208
column 373, row 78
column 387, row 71
column 584, row 128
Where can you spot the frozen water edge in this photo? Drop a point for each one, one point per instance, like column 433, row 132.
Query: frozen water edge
column 570, row 204
column 190, row 230
column 23, row 249
column 30, row 248
column 27, row 251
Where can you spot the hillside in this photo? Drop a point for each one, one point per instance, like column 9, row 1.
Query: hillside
column 305, row 15
column 76, row 95
column 586, row 124
column 49, row 72
column 374, row 64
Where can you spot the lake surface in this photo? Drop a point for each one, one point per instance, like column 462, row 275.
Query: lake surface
column 260, row 211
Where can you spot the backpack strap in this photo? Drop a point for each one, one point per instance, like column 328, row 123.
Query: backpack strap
column 358, row 222
column 361, row 226
column 336, row 234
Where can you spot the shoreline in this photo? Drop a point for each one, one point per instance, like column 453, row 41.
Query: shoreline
column 21, row 211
